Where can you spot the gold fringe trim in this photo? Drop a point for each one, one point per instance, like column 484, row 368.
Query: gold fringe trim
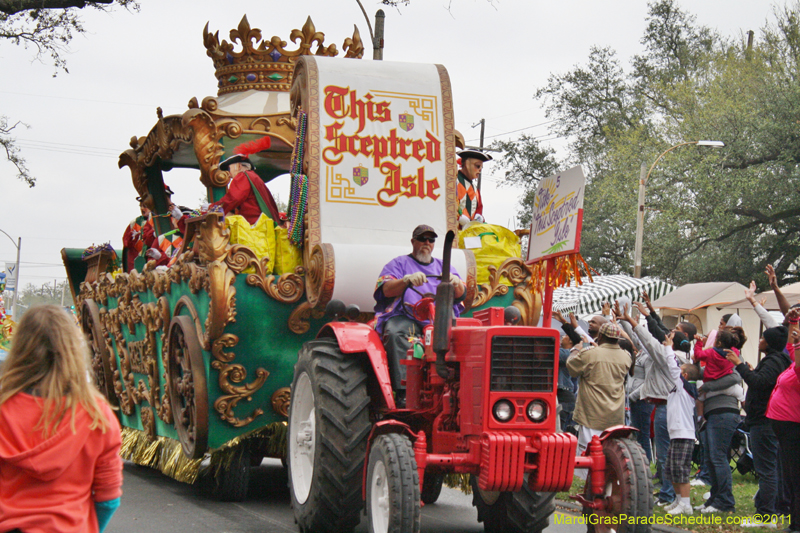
column 458, row 481
column 567, row 268
column 166, row 454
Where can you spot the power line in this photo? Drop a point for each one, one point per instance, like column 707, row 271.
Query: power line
column 62, row 151
column 51, row 143
column 94, row 101
column 515, row 131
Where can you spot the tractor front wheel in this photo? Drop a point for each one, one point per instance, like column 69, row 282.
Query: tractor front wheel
column 523, row 511
column 627, row 490
column 327, row 437
column 393, row 486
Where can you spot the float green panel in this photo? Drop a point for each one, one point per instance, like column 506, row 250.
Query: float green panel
column 265, row 341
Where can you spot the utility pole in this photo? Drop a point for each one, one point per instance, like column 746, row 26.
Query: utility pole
column 637, row 256
column 377, row 41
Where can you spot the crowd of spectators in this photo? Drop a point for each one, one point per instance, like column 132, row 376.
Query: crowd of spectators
column 685, row 392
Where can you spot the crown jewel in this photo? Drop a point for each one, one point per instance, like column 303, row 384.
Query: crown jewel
column 267, row 65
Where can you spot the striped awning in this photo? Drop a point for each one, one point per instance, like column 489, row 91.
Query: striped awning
column 588, row 298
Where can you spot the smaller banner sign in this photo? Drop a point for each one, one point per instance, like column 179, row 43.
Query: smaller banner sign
column 557, row 216
column 11, row 277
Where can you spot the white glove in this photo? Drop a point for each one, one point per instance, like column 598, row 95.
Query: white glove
column 416, row 279
column 463, row 221
column 152, row 253
column 204, row 207
column 176, row 213
column 455, row 280
column 479, row 218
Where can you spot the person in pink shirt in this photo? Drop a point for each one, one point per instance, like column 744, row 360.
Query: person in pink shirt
column 784, row 415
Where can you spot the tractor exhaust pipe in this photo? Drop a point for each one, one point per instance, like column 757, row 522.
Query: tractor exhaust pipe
column 445, row 296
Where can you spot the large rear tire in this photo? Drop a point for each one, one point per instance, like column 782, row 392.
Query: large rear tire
column 524, row 511
column 230, row 482
column 393, row 486
column 328, row 430
column 628, row 488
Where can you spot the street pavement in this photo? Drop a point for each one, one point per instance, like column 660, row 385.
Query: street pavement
column 152, row 502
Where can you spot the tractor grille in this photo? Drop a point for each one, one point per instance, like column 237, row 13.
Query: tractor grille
column 523, row 364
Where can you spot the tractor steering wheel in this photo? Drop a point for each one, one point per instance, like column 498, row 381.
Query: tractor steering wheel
column 418, row 311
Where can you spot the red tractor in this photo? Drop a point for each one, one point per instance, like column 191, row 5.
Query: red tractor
column 481, row 400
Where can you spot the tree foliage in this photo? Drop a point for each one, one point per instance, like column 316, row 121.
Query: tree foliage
column 48, row 293
column 710, row 215
column 46, row 27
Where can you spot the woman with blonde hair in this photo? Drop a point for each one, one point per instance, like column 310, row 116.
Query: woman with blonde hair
column 60, row 468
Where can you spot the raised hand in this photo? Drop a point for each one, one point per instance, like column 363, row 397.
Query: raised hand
column 642, row 309
column 668, row 339
column 626, row 315
column 773, row 279
column 573, row 320
column 750, row 292
column 558, row 316
column 646, row 300
column 606, row 308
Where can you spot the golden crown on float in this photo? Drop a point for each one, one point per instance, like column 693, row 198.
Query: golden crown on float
column 267, row 65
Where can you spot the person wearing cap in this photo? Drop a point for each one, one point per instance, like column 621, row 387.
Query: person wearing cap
column 241, row 196
column 470, row 206
column 601, row 387
column 403, row 282
column 761, row 381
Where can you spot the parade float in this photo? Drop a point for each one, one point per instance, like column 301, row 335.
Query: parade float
column 198, row 357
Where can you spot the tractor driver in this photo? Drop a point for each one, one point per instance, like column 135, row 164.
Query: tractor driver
column 402, row 283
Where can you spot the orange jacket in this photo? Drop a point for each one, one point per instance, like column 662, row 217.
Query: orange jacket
column 51, row 484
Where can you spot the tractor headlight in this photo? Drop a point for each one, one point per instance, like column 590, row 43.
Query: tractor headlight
column 537, row 410
column 503, row 410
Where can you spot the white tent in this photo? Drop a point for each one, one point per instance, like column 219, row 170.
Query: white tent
column 588, row 298
column 704, row 304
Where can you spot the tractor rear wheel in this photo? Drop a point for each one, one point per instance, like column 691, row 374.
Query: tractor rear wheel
column 393, row 486
column 327, row 437
column 627, row 491
column 431, row 487
column 523, row 511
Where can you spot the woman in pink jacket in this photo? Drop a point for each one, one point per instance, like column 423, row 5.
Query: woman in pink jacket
column 785, row 417
column 60, row 468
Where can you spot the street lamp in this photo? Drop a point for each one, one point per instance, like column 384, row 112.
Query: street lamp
column 643, row 177
column 18, row 245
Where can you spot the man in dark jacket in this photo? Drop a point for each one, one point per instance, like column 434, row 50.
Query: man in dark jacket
column 760, row 383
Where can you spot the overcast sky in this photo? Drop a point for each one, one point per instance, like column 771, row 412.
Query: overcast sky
column 128, row 64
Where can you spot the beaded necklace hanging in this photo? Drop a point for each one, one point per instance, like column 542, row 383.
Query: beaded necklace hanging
column 298, row 197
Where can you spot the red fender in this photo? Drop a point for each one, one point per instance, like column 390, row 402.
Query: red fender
column 617, row 432
column 354, row 337
column 381, row 428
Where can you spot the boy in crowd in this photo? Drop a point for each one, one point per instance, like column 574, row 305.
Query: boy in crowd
column 680, row 411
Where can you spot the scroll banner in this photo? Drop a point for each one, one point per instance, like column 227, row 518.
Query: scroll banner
column 380, row 160
column 557, row 216
column 385, row 161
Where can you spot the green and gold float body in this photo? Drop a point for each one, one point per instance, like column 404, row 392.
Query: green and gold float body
column 198, row 358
